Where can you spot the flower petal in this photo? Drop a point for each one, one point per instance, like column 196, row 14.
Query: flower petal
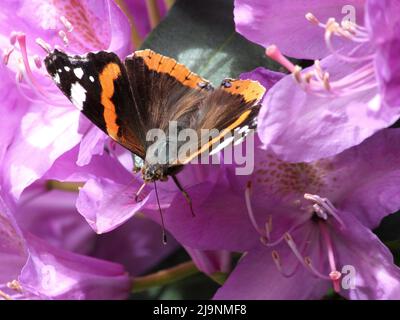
column 283, row 23
column 45, row 134
column 57, row 274
column 376, row 275
column 256, row 277
column 372, row 193
column 299, row 126
column 211, row 262
column 106, row 204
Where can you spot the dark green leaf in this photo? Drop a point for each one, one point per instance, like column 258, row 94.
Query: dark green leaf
column 201, row 34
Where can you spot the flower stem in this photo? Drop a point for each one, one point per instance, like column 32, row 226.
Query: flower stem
column 64, row 186
column 136, row 38
column 164, row 277
column 169, row 3
column 153, row 12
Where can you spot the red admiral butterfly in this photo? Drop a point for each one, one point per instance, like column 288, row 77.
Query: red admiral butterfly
column 149, row 90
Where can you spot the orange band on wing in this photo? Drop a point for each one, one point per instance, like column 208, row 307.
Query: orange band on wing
column 160, row 63
column 107, row 77
column 242, row 118
column 249, row 89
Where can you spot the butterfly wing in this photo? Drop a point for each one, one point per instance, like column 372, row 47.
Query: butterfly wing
column 164, row 89
column 98, row 85
column 232, row 109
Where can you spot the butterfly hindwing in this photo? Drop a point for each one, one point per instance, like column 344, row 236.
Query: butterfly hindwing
column 97, row 84
column 232, row 109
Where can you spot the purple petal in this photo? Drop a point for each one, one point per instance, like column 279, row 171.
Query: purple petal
column 57, row 274
column 256, row 277
column 211, row 262
column 45, row 134
column 283, row 23
column 12, row 244
column 383, row 20
column 299, row 126
column 92, row 144
column 372, row 193
column 220, row 223
column 51, row 215
column 376, row 275
column 106, row 204
column 266, row 77
column 141, row 239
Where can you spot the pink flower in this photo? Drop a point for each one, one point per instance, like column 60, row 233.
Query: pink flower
column 37, row 270
column 344, row 98
column 41, row 123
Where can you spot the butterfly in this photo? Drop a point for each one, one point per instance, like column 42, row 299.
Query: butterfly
column 147, row 91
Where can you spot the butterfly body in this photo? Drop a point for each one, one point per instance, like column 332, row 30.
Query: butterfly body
column 148, row 91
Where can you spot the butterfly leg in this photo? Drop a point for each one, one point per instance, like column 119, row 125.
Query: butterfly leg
column 184, row 193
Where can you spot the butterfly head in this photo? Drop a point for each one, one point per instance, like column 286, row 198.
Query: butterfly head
column 154, row 172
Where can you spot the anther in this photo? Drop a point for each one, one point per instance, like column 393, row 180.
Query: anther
column 38, row 61
column 14, row 285
column 6, row 54
column 277, row 260
column 68, row 25
column 326, row 82
column 320, row 212
column 313, row 19
column 13, row 37
column 297, row 74
column 45, row 46
column 63, row 37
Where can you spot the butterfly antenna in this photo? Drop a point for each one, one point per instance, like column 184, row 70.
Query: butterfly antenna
column 164, row 235
column 185, row 194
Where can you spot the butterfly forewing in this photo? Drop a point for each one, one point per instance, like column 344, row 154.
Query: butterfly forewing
column 97, row 84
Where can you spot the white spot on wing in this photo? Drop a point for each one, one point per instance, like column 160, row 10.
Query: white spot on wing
column 78, row 72
column 78, row 95
column 59, row 70
column 91, row 78
column 66, row 68
column 57, row 78
column 222, row 145
column 244, row 130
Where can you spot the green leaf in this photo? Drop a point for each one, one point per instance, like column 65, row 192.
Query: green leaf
column 201, row 34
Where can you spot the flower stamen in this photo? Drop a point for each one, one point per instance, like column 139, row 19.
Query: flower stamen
column 45, row 46
column 68, row 25
column 334, row 275
column 7, row 53
column 250, row 210
column 278, row 264
column 63, row 37
column 275, row 54
column 324, row 204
